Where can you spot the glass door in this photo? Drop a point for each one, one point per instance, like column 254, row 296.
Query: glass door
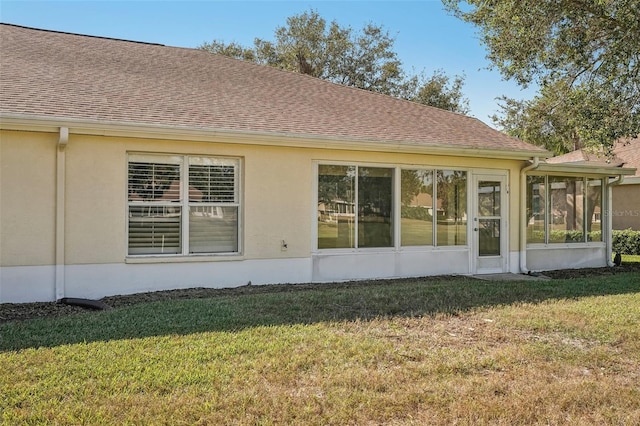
column 490, row 229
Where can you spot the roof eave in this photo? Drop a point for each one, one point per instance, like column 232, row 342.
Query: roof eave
column 633, row 180
column 200, row 134
column 584, row 169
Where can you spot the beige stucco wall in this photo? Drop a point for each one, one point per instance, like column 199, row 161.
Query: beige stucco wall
column 626, row 207
column 96, row 170
column 27, row 198
column 96, row 181
column 275, row 181
column 277, row 194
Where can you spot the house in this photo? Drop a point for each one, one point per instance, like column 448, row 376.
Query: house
column 625, row 212
column 129, row 167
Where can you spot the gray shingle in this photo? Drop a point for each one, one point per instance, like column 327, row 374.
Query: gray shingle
column 47, row 73
column 626, row 153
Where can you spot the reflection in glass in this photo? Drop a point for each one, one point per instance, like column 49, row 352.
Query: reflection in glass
column 489, row 237
column 154, row 229
column 566, row 216
column 416, row 227
column 594, row 209
column 536, row 209
column 336, row 206
column 488, row 198
column 213, row 229
column 452, row 207
column 375, row 204
column 213, row 180
column 489, row 218
column 154, row 181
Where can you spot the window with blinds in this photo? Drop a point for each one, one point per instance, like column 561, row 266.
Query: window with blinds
column 180, row 205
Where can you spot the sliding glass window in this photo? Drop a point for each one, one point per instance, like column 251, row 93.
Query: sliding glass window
column 452, row 207
column 336, row 206
column 355, row 206
column 417, row 210
column 375, row 205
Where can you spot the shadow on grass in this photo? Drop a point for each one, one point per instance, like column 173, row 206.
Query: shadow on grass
column 194, row 311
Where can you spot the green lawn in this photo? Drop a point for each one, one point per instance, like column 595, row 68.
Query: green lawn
column 414, row 233
column 437, row 351
column 630, row 258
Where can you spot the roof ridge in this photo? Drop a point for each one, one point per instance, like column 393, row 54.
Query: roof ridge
column 80, row 35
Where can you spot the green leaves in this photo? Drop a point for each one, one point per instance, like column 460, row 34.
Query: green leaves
column 563, row 118
column 442, row 92
column 583, row 54
column 363, row 58
column 233, row 50
column 626, row 242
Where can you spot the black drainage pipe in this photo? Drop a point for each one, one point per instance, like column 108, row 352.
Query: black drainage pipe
column 85, row 303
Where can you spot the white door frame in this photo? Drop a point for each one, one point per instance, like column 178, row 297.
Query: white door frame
column 499, row 262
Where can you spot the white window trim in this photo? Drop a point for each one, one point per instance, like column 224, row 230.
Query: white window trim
column 184, row 204
column 397, row 246
column 582, row 244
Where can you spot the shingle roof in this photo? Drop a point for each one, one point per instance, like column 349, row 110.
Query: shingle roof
column 53, row 74
column 626, row 153
column 629, row 152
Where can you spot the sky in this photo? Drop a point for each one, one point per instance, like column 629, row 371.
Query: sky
column 427, row 38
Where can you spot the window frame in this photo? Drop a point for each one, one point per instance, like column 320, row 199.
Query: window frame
column 585, row 179
column 434, row 201
column 396, row 207
column 358, row 231
column 435, row 236
column 184, row 203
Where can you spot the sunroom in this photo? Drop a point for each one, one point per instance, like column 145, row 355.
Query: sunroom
column 391, row 220
column 566, row 216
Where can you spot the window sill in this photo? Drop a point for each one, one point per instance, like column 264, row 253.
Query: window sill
column 551, row 246
column 183, row 259
column 462, row 247
column 373, row 250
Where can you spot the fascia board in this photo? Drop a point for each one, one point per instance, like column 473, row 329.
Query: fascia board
column 635, row 180
column 150, row 131
column 583, row 169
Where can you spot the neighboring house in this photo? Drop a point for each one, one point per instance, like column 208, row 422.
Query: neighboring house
column 625, row 210
column 128, row 167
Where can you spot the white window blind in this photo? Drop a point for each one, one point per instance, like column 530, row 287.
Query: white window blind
column 214, row 179
column 153, row 181
column 154, row 230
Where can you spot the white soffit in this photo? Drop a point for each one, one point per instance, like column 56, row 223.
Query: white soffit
column 583, row 169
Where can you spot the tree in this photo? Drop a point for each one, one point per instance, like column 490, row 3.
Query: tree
column 545, row 120
column 233, row 50
column 442, row 92
column 563, row 118
column 301, row 46
column 370, row 63
column 412, row 183
column 587, row 51
column 364, row 59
